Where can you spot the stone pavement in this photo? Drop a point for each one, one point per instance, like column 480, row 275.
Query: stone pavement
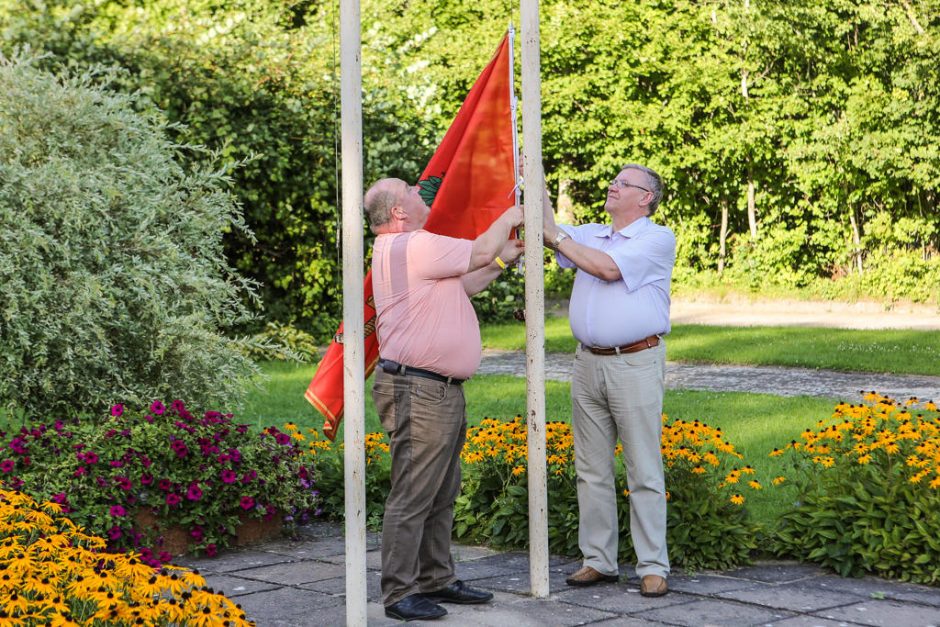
column 301, row 583
column 731, row 378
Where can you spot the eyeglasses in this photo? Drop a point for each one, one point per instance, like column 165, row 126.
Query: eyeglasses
column 618, row 183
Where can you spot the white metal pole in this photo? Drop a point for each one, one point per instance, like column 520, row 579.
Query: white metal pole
column 534, row 299
column 354, row 458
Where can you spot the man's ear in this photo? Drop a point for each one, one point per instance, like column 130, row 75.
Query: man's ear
column 398, row 212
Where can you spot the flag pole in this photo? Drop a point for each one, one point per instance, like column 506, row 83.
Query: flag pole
column 534, row 300
column 353, row 301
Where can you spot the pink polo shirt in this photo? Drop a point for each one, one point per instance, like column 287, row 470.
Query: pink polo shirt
column 424, row 316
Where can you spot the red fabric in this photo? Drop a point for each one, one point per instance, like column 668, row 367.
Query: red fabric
column 471, row 180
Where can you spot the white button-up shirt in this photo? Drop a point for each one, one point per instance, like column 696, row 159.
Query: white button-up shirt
column 615, row 313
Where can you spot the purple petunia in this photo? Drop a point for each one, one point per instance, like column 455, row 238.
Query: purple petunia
column 122, row 482
column 229, row 476
column 157, row 407
column 246, row 503
column 197, row 534
column 194, row 493
column 172, row 499
column 7, row 465
column 146, row 479
column 118, row 510
column 115, row 533
column 117, row 410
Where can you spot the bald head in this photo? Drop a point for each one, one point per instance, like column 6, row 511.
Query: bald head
column 379, row 200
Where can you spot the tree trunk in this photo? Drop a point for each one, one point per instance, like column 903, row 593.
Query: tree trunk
column 751, row 206
column 565, row 205
column 857, row 240
column 723, row 237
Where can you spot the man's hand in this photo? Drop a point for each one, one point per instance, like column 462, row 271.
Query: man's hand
column 512, row 250
column 513, row 216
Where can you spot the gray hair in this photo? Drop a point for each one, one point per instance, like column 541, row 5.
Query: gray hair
column 379, row 200
column 653, row 180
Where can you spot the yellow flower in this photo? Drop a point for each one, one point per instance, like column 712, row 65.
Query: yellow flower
column 518, row 470
column 864, row 459
column 776, row 453
column 737, row 499
column 698, row 470
column 755, row 485
column 779, row 480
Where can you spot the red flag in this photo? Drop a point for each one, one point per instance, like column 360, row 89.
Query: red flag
column 468, row 183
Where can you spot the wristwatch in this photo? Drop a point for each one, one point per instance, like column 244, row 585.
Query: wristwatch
column 559, row 238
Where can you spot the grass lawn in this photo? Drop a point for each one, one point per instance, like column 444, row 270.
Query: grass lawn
column 885, row 350
column 754, row 423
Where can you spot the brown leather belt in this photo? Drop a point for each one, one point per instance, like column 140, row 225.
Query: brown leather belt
column 642, row 345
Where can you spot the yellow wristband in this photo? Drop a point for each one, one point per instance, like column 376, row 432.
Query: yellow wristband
column 500, row 263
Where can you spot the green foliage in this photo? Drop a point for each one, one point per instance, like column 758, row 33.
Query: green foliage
column 826, row 110
column 868, row 492
column 281, row 342
column 113, row 276
column 501, row 298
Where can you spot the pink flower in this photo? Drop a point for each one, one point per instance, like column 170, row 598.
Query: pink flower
column 81, row 470
column 123, row 482
column 157, row 407
column 229, row 476
column 197, row 534
column 146, row 479
column 247, row 503
column 7, row 465
column 248, row 476
column 172, row 499
column 178, row 406
column 117, row 410
column 115, row 533
column 211, row 550
column 194, row 493
column 164, row 484
column 117, row 510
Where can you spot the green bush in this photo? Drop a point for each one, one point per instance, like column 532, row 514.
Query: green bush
column 868, row 492
column 283, row 342
column 113, row 281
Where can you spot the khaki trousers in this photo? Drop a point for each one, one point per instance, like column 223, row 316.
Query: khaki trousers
column 620, row 396
column 426, row 424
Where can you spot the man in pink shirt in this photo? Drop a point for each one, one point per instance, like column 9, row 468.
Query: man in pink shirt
column 429, row 343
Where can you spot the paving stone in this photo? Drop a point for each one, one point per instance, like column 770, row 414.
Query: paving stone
column 501, row 564
column 294, row 608
column 508, row 609
column 233, row 586
column 892, row 613
column 806, row 620
column 618, row 598
column 466, row 552
column 294, row 573
column 337, row 586
column 233, row 560
column 801, row 596
column 519, row 582
column 716, row 612
column 706, row 584
column 373, row 559
column 776, row 572
column 875, row 588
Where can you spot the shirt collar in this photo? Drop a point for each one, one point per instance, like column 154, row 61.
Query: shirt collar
column 631, row 230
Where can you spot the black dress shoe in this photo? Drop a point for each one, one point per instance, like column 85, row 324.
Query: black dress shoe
column 414, row 607
column 459, row 592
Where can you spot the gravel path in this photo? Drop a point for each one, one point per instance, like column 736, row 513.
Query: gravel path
column 727, row 378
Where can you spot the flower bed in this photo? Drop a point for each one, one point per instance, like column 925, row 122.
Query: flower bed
column 55, row 574
column 868, row 491
column 708, row 520
column 202, row 474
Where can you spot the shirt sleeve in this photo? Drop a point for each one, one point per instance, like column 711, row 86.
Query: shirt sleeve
column 578, row 234
column 645, row 259
column 432, row 256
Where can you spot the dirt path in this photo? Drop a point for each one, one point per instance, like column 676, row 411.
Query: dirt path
column 738, row 312
column 728, row 378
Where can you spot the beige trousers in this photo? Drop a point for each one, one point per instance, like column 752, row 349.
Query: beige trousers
column 426, row 424
column 620, row 396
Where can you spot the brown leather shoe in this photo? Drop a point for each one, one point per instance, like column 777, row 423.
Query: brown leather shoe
column 653, row 586
column 587, row 576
